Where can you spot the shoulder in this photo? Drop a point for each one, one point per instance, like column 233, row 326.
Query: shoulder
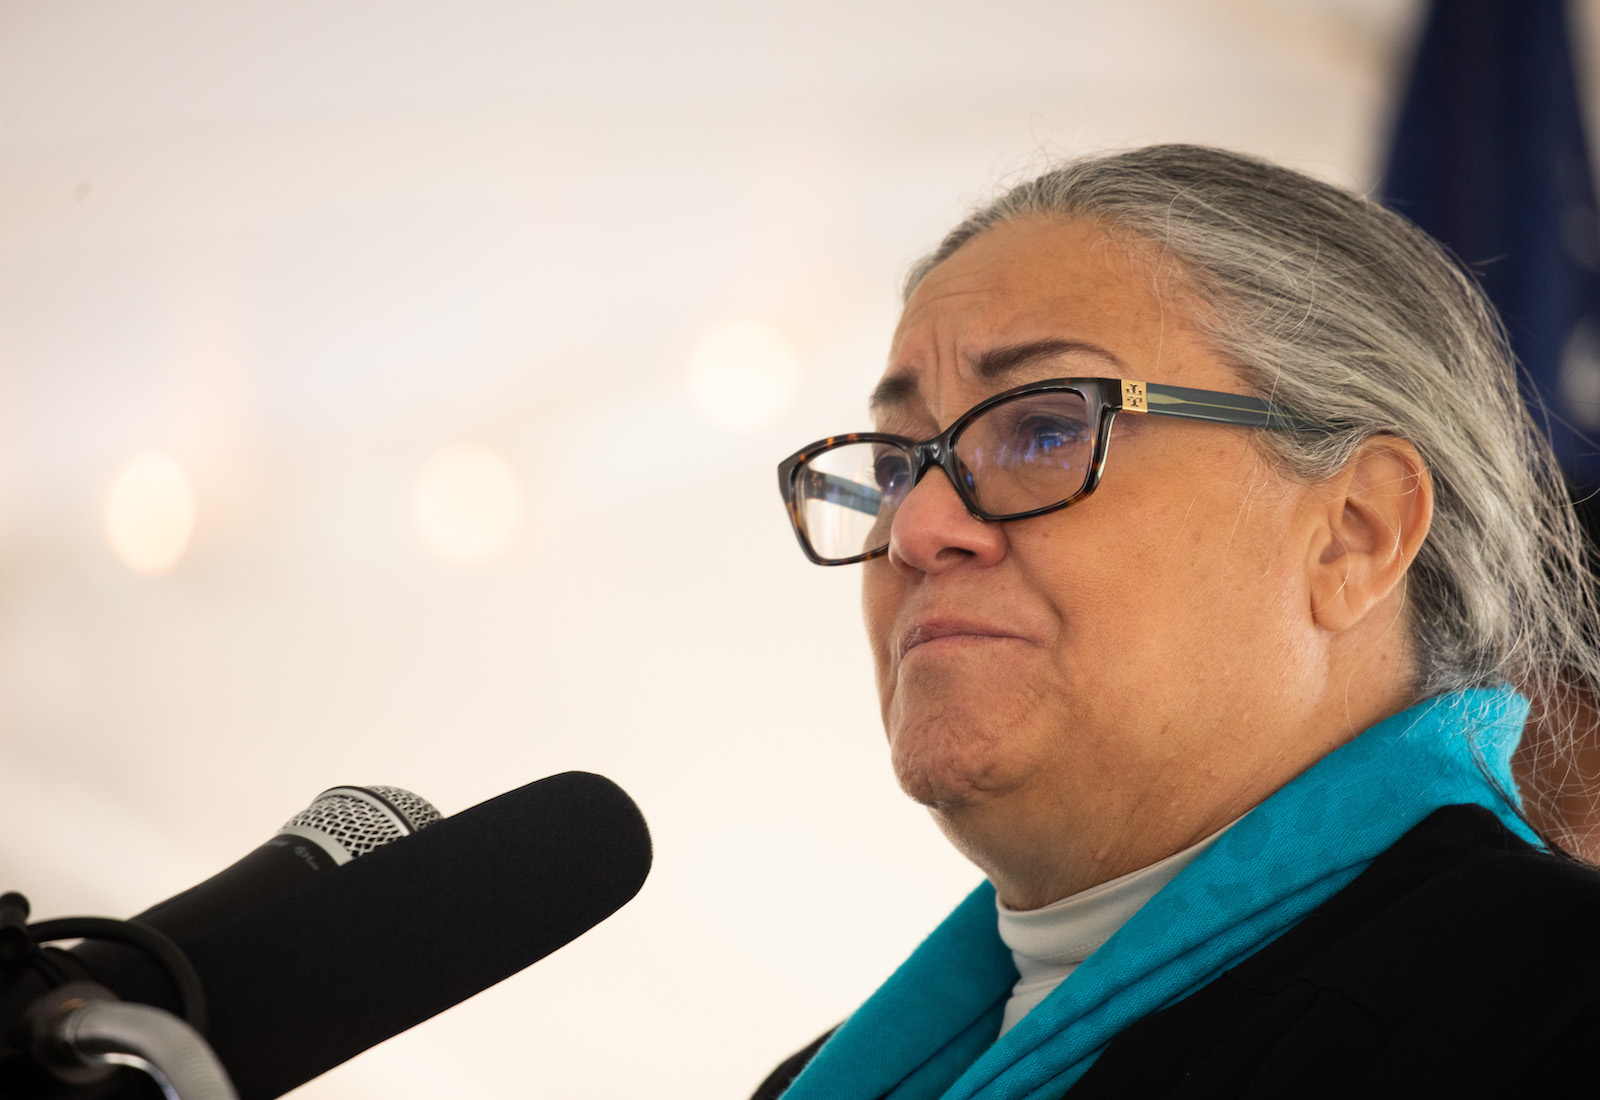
column 1458, row 887
column 1462, row 962
column 783, row 1076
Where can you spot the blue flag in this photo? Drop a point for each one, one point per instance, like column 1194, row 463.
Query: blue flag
column 1490, row 157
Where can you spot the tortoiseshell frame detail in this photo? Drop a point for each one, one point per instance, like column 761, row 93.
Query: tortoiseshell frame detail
column 1105, row 397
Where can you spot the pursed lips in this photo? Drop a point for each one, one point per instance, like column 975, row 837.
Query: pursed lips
column 925, row 632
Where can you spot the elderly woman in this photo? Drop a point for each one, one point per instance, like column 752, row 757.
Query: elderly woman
column 1205, row 538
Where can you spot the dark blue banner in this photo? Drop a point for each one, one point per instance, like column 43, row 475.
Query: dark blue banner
column 1490, row 156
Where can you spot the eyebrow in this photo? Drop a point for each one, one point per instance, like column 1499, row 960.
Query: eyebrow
column 994, row 365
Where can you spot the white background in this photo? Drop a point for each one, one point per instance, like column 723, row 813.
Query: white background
column 301, row 246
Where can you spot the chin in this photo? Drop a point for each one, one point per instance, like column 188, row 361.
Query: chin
column 946, row 765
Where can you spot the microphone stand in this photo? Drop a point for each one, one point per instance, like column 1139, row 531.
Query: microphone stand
column 80, row 1033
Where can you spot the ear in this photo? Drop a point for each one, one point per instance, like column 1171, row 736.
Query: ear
column 1374, row 514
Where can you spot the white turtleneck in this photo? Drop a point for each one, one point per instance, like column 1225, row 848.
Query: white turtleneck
column 1048, row 943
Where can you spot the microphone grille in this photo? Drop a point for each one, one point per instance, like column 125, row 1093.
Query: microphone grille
column 361, row 819
column 413, row 807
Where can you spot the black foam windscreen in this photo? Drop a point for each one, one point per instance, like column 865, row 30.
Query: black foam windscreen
column 339, row 963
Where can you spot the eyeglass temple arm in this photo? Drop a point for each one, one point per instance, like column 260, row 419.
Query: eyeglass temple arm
column 816, row 485
column 1219, row 408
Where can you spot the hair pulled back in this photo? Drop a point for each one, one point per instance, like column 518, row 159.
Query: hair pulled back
column 1344, row 312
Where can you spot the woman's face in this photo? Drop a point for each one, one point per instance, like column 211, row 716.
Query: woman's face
column 1137, row 665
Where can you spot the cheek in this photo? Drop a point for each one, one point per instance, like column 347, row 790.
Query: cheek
column 1164, row 588
column 1220, row 602
column 881, row 595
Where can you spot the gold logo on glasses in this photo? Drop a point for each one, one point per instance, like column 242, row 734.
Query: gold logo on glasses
column 1133, row 397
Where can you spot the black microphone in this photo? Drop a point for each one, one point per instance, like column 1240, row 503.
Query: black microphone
column 325, row 969
column 341, row 824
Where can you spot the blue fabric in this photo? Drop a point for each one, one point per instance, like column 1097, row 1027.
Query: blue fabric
column 930, row 1030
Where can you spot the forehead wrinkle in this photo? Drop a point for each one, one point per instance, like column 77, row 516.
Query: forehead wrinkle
column 902, row 385
column 978, row 301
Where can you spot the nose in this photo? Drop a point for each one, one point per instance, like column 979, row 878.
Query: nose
column 932, row 530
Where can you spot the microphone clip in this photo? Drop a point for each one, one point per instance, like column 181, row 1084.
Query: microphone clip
column 16, row 942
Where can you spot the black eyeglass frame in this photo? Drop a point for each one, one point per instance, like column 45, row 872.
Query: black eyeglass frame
column 1104, row 397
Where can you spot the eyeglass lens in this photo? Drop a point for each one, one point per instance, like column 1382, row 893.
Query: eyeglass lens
column 1031, row 452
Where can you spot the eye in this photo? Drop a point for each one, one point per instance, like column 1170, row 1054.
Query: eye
column 892, row 472
column 1040, row 437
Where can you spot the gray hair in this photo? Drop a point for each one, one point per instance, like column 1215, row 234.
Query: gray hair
column 1346, row 313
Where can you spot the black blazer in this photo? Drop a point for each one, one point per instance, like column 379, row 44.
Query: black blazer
column 1462, row 963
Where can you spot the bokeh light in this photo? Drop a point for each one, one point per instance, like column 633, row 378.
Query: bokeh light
column 743, row 375
column 466, row 503
column 150, row 513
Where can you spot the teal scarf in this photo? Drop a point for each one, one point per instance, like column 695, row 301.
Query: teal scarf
column 929, row 1031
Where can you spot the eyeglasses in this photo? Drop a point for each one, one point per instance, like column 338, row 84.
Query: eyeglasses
column 1023, row 452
